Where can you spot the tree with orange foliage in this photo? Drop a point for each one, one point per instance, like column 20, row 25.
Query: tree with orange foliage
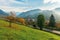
column 22, row 21
column 11, row 18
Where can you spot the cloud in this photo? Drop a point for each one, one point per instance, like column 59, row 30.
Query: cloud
column 7, row 5
column 8, row 9
column 47, row 8
column 23, row 5
column 46, row 1
column 8, row 2
column 51, row 4
column 51, row 7
column 20, row 0
column 52, row 1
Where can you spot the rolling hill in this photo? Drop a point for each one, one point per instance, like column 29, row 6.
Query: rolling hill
column 21, row 32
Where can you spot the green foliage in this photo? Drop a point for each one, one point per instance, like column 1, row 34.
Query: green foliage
column 40, row 21
column 52, row 21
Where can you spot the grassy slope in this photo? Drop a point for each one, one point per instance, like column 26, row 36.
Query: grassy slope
column 20, row 32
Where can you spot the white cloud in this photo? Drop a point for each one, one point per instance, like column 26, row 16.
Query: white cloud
column 7, row 2
column 49, row 7
column 5, row 5
column 52, row 1
column 8, row 9
column 46, row 1
column 54, row 4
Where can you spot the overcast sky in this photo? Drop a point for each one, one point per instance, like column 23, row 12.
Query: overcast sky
column 24, row 5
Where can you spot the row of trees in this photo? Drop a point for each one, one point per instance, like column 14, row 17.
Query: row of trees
column 41, row 21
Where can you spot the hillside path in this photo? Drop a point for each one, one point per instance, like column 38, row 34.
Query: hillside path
column 53, row 31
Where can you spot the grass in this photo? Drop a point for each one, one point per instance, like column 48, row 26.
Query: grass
column 20, row 32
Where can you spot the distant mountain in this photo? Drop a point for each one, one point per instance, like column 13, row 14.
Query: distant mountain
column 57, row 12
column 3, row 14
column 57, row 9
column 36, row 12
column 47, row 13
column 17, row 13
column 31, row 13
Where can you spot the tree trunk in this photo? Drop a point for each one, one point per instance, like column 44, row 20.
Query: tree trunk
column 41, row 28
column 10, row 24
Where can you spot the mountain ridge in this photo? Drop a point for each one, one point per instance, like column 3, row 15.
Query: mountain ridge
column 34, row 13
column 3, row 13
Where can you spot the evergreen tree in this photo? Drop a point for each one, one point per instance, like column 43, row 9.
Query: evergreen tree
column 40, row 21
column 52, row 21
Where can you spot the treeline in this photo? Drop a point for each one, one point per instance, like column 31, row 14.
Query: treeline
column 39, row 22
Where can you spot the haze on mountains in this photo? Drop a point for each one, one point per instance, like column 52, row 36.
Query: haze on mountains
column 34, row 13
column 47, row 13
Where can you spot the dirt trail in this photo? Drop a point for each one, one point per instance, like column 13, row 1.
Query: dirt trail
column 53, row 31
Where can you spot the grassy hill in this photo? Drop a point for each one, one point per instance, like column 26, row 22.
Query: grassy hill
column 20, row 32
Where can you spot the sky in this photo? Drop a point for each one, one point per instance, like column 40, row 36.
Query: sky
column 25, row 5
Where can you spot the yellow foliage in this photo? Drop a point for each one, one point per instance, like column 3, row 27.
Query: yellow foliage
column 10, row 18
column 21, row 20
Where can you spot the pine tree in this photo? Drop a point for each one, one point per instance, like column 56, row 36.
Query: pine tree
column 40, row 21
column 52, row 21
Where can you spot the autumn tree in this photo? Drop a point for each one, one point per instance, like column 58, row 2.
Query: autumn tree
column 40, row 21
column 11, row 18
column 21, row 20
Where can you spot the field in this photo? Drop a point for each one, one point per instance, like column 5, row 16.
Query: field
column 20, row 32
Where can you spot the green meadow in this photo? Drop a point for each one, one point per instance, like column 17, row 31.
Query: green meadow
column 21, row 32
